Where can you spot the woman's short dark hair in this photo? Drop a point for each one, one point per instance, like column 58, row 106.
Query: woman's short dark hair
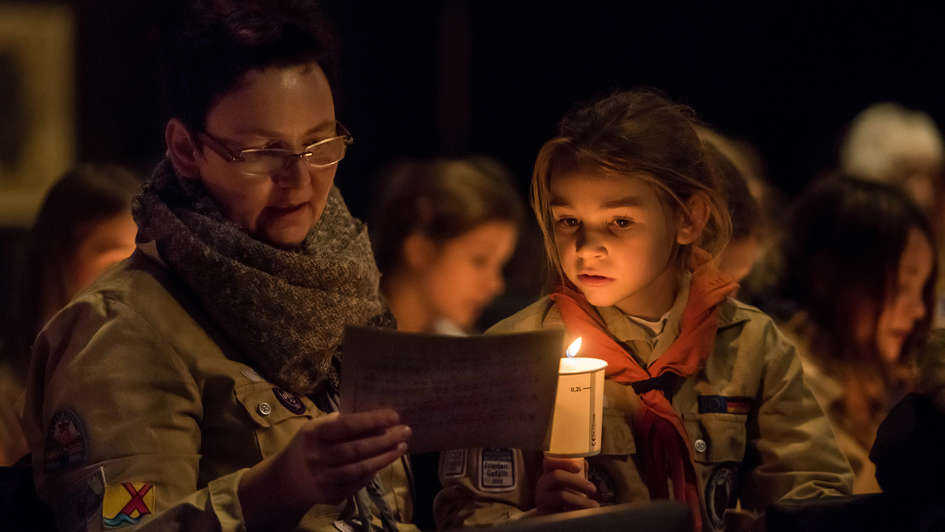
column 211, row 44
column 440, row 199
column 841, row 249
column 83, row 197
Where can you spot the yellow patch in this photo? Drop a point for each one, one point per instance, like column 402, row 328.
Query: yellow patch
column 126, row 503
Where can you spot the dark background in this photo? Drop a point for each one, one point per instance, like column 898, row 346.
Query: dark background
column 450, row 78
column 424, row 78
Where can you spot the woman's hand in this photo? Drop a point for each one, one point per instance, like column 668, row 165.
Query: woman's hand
column 563, row 487
column 328, row 460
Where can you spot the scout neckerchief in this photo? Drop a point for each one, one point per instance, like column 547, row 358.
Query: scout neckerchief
column 662, row 441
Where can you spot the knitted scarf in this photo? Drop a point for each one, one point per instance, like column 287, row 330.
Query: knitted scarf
column 662, row 442
column 284, row 309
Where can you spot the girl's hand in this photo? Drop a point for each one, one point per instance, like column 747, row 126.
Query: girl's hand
column 328, row 460
column 563, row 487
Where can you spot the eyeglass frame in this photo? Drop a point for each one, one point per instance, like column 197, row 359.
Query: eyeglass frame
column 220, row 148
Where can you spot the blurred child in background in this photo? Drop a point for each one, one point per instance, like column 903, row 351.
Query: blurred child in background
column 859, row 276
column 84, row 225
column 749, row 228
column 442, row 232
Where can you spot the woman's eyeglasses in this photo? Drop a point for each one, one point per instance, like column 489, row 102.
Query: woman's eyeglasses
column 269, row 161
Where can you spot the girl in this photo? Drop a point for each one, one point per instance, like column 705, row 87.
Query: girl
column 83, row 227
column 860, row 284
column 442, row 232
column 704, row 400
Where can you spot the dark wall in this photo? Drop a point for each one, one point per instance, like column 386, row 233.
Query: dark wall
column 427, row 78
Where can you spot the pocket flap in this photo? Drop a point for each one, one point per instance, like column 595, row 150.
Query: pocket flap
column 267, row 404
column 723, row 437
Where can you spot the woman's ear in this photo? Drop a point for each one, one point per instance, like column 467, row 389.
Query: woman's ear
column 181, row 148
column 693, row 221
column 418, row 252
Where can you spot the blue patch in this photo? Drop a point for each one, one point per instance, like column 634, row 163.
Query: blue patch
column 289, row 400
column 719, row 404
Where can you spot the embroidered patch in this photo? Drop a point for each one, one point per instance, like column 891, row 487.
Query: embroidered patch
column 719, row 404
column 720, row 494
column 66, row 442
column 598, row 475
column 126, row 503
column 289, row 400
column 497, row 470
column 81, row 503
column 453, row 463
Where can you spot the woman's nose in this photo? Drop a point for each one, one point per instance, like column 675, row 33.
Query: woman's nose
column 293, row 175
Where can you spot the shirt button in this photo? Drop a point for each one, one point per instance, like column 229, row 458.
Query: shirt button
column 700, row 446
column 264, row 409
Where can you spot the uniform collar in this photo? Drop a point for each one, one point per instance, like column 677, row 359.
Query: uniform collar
column 625, row 329
column 150, row 250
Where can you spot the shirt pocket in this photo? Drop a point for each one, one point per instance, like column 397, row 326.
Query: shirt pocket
column 276, row 414
column 716, row 438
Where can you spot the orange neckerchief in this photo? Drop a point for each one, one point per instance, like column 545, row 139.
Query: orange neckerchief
column 662, row 442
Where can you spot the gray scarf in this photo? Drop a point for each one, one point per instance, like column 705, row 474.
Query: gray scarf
column 284, row 309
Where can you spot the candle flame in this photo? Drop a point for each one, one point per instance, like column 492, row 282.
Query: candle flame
column 574, row 348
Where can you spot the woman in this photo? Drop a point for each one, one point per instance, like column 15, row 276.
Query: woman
column 191, row 388
column 859, row 280
column 83, row 227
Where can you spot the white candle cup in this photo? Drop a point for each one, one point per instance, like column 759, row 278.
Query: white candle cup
column 579, row 404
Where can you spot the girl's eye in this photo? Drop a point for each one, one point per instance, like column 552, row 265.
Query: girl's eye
column 567, row 223
column 623, row 223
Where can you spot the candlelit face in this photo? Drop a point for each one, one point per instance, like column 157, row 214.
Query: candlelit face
column 464, row 274
column 616, row 240
column 283, row 108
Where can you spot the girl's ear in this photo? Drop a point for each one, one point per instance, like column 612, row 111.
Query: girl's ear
column 693, row 221
column 419, row 252
column 181, row 149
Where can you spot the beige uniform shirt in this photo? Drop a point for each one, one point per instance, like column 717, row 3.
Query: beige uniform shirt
column 137, row 415
column 12, row 441
column 756, row 432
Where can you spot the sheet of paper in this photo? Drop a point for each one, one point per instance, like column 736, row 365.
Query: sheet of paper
column 456, row 391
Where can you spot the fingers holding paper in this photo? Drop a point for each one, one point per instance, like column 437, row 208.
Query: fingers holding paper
column 338, row 454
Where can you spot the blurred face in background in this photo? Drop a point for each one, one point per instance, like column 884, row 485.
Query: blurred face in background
column 101, row 244
column 905, row 305
column 740, row 256
column 464, row 274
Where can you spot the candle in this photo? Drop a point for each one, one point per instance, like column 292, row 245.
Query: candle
column 579, row 403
